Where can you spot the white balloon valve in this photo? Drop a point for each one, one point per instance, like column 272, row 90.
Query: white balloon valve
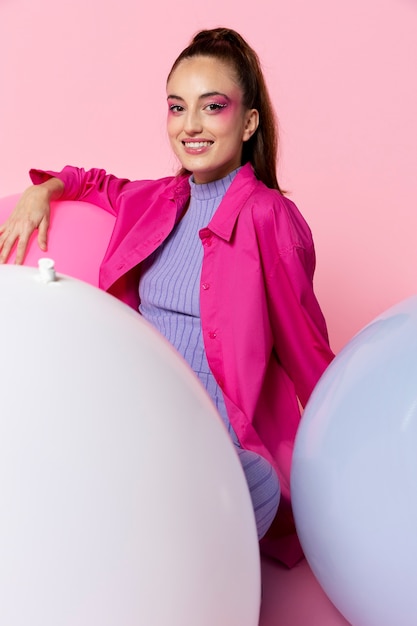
column 47, row 270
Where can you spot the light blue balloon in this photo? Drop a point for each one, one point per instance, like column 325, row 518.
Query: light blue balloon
column 354, row 475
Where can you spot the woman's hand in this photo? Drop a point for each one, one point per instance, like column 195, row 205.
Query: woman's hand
column 31, row 212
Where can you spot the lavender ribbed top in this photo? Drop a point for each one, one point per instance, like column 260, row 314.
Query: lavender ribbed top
column 169, row 287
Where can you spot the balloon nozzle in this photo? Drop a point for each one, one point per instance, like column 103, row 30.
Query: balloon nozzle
column 47, row 270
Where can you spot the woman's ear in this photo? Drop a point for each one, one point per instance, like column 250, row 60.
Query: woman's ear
column 251, row 123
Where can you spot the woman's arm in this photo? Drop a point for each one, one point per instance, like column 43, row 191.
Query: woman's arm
column 298, row 325
column 33, row 209
column 31, row 212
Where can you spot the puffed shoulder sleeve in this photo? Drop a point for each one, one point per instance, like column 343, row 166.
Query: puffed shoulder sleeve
column 95, row 185
column 298, row 325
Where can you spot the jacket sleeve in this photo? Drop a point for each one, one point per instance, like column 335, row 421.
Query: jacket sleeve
column 95, row 185
column 299, row 329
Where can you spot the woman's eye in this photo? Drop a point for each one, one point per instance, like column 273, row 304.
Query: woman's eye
column 176, row 108
column 215, row 106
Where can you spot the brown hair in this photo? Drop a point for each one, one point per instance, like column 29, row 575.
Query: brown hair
column 228, row 46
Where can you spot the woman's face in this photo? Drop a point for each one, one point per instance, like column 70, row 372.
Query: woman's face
column 207, row 122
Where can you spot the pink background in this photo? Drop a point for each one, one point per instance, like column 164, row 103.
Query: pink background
column 84, row 83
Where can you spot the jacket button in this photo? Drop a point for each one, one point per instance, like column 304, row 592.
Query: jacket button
column 208, row 241
column 205, row 286
column 212, row 334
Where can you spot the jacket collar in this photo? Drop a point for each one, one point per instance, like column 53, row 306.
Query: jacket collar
column 178, row 192
column 224, row 219
column 242, row 187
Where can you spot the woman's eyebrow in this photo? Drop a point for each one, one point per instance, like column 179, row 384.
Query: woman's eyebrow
column 203, row 96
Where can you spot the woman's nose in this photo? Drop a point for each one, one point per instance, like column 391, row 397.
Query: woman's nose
column 192, row 123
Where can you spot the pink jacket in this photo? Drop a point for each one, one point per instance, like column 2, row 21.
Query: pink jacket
column 264, row 332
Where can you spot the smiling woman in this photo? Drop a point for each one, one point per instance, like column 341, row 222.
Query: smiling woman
column 207, row 120
column 218, row 260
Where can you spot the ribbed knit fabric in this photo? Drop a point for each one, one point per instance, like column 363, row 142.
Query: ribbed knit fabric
column 169, row 292
column 170, row 286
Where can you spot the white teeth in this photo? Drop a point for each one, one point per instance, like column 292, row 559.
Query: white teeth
column 197, row 144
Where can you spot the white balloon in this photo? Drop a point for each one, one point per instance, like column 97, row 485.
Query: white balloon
column 354, row 476
column 122, row 499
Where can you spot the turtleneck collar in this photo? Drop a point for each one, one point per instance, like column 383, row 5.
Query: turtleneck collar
column 214, row 189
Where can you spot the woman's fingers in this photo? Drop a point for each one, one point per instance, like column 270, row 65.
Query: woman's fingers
column 31, row 213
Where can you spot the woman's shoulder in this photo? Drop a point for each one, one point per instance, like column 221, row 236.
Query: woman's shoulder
column 275, row 213
column 257, row 192
column 164, row 182
column 169, row 187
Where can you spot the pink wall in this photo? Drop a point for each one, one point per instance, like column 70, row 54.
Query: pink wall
column 83, row 82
